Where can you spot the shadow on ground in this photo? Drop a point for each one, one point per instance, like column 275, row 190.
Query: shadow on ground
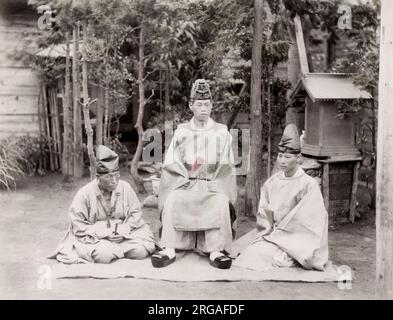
column 33, row 219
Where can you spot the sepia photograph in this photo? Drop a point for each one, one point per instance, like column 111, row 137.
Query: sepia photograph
column 212, row 150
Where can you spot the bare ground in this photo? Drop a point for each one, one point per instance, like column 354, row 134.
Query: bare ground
column 33, row 219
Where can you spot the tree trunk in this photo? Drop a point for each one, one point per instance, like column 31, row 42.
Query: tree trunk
column 307, row 34
column 99, row 117
column 298, row 63
column 330, row 51
column 106, row 106
column 384, row 204
column 254, row 175
column 167, row 101
column 67, row 121
column 138, row 124
column 77, row 150
column 269, row 137
column 86, row 106
column 293, row 70
column 373, row 190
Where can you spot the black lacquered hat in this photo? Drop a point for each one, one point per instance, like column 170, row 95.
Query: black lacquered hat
column 290, row 141
column 200, row 90
column 107, row 160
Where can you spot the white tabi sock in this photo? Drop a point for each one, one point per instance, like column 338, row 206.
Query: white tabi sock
column 170, row 252
column 215, row 254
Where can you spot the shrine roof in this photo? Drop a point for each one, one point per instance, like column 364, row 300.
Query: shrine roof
column 329, row 86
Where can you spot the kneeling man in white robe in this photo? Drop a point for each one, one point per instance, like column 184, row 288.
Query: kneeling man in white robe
column 292, row 222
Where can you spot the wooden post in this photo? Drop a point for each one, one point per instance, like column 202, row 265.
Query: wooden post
column 301, row 45
column 53, row 127
column 67, row 124
column 48, row 128
column 57, row 129
column 254, row 175
column 325, row 185
column 77, row 117
column 86, row 105
column 384, row 178
column 100, row 117
column 167, row 79
column 355, row 183
column 106, row 106
column 138, row 125
column 41, row 122
column 269, row 137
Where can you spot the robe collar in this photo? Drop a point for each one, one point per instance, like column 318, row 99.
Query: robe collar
column 299, row 172
column 210, row 124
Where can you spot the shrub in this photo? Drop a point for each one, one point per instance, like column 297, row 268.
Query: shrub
column 12, row 163
column 34, row 151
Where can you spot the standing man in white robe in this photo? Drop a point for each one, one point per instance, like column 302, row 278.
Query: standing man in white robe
column 198, row 187
column 105, row 219
column 292, row 222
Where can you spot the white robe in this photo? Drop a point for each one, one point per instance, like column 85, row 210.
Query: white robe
column 88, row 219
column 298, row 233
column 197, row 186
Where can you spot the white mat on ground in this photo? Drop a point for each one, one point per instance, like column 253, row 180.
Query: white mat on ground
column 189, row 267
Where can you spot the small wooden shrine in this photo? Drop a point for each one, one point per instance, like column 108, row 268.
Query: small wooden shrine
column 330, row 139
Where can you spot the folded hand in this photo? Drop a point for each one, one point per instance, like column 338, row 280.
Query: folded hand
column 115, row 238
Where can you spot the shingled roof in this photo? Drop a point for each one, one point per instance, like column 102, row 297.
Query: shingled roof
column 329, row 86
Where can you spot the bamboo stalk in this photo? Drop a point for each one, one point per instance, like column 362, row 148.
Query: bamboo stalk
column 86, row 105
column 41, row 127
column 57, row 127
column 99, row 117
column 44, row 121
column 269, row 137
column 48, row 128
column 142, row 101
column 77, row 141
column 66, row 159
column 106, row 106
column 54, row 129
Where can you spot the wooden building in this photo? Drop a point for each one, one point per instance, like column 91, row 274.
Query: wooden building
column 19, row 85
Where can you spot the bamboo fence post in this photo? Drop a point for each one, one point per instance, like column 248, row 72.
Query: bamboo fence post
column 86, row 105
column 269, row 136
column 44, row 124
column 48, row 129
column 99, row 118
column 106, row 106
column 53, row 127
column 41, row 128
column 66, row 159
column 138, row 125
column 57, row 128
column 77, row 116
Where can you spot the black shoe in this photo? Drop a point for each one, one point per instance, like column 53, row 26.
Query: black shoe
column 221, row 262
column 160, row 260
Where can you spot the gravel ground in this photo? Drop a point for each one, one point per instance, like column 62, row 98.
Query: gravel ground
column 33, row 219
